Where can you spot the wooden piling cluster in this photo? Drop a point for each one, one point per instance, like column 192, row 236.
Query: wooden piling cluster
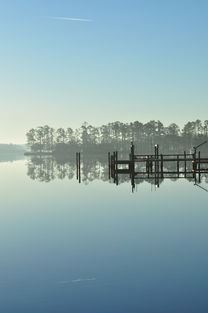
column 187, row 165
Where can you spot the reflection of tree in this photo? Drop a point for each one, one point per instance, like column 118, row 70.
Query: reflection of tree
column 41, row 169
column 47, row 169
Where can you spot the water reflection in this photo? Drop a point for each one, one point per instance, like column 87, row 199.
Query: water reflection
column 61, row 242
column 47, row 169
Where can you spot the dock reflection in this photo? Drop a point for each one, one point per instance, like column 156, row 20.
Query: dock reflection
column 86, row 170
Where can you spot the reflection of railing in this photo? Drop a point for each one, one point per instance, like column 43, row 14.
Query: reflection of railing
column 203, row 188
column 156, row 165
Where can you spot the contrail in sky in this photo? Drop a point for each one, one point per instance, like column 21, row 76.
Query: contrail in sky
column 75, row 19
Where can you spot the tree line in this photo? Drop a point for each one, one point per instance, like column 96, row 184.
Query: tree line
column 48, row 139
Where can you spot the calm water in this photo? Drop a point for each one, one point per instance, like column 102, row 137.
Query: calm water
column 96, row 247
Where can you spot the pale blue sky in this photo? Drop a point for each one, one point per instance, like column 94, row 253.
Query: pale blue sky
column 135, row 60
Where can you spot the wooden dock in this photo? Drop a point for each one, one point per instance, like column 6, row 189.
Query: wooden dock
column 157, row 165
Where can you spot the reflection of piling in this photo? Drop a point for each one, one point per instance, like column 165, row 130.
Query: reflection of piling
column 132, row 165
column 161, row 165
column 154, row 166
column 185, row 164
column 148, row 166
column 109, row 165
column 199, row 166
column 116, row 168
column 194, row 166
column 178, row 168
column 78, row 166
column 157, row 165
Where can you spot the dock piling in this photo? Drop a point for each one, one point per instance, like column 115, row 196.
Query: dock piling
column 151, row 166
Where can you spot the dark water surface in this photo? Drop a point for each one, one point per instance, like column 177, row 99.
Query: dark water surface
column 69, row 247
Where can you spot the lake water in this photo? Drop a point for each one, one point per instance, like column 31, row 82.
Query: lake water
column 98, row 247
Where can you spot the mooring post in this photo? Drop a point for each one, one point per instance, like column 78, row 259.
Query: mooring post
column 77, row 174
column 79, row 167
column 158, row 167
column 116, row 166
column 178, row 168
column 185, row 163
column 132, row 172
column 129, row 165
column 132, row 160
column 76, row 164
column 155, row 158
column 194, row 164
column 109, row 165
column 148, row 166
column 151, row 163
column 112, row 170
column 161, row 165
column 132, row 150
column 199, row 166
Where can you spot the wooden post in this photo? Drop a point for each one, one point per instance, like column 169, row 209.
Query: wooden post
column 112, row 169
column 155, row 158
column 129, row 165
column 199, row 166
column 76, row 164
column 132, row 151
column 194, row 165
column 185, row 163
column 132, row 164
column 151, row 163
column 109, row 165
column 161, row 165
column 132, row 156
column 116, row 167
column 79, row 167
column 148, row 166
column 178, row 169
column 158, row 167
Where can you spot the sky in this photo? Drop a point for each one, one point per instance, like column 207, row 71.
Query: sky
column 65, row 62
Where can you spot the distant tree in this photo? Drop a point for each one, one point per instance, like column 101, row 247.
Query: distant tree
column 188, row 129
column 61, row 136
column 198, row 127
column 31, row 138
column 40, row 138
column 116, row 134
column 69, row 135
column 159, row 128
column 150, row 128
column 105, row 134
column 173, row 130
column 135, row 131
column 84, row 134
column 205, row 127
